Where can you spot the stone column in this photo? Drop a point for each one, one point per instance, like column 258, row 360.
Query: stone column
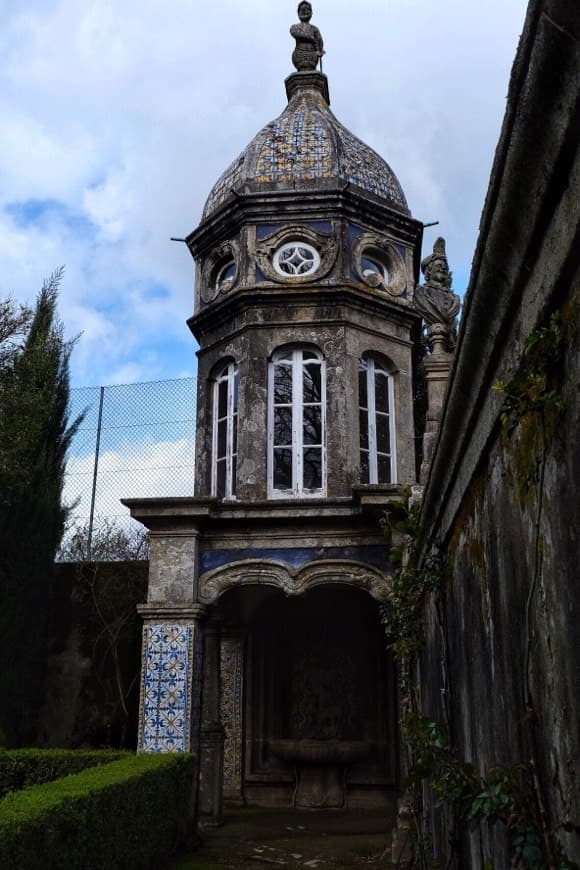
column 171, row 669
column 437, row 368
column 231, row 713
column 439, row 307
column 212, row 734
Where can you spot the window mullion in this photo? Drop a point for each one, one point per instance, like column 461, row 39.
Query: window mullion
column 229, row 431
column 297, row 388
column 372, row 422
column 323, row 427
column 214, row 438
column 270, row 424
column 392, row 432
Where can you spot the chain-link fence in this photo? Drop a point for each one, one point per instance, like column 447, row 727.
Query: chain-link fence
column 135, row 441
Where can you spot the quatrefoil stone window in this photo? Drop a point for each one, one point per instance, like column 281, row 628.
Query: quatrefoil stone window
column 296, row 259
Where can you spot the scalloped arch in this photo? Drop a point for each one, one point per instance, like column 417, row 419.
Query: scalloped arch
column 248, row 572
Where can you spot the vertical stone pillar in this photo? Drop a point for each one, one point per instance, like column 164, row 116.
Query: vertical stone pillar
column 439, row 306
column 212, row 734
column 171, row 668
column 437, row 367
column 231, row 710
column 171, row 678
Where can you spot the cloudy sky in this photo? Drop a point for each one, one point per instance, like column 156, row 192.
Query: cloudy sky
column 117, row 117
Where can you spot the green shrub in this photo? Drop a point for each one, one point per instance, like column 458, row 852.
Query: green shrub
column 20, row 768
column 130, row 813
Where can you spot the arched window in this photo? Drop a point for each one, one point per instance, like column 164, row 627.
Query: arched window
column 296, row 424
column 225, row 431
column 376, row 421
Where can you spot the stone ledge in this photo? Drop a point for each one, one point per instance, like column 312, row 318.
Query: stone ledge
column 164, row 611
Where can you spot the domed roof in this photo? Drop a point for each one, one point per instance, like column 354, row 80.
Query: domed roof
column 307, row 147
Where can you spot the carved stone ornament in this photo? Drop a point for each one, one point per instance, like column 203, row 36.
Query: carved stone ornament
column 214, row 277
column 309, row 45
column 294, row 581
column 391, row 275
column 436, row 302
column 231, row 712
column 325, row 246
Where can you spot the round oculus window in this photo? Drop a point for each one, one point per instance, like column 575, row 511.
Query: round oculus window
column 295, row 259
column 225, row 275
column 371, row 266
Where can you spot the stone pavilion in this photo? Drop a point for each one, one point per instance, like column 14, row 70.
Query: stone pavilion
column 263, row 642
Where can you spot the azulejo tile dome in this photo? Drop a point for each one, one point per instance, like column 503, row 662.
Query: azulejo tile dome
column 306, row 147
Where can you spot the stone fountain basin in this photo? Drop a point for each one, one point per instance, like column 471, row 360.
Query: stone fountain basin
column 320, row 751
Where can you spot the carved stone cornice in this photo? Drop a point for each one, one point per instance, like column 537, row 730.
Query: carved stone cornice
column 171, row 612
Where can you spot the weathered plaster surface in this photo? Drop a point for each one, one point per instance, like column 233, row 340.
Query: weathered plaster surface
column 485, row 497
column 173, row 568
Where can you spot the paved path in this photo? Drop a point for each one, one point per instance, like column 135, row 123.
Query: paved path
column 325, row 840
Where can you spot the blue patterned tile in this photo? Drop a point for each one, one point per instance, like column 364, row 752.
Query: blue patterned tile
column 165, row 719
column 307, row 143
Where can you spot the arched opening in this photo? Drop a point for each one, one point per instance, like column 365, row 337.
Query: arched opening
column 317, row 716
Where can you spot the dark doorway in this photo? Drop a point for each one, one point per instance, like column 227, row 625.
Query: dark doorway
column 318, row 670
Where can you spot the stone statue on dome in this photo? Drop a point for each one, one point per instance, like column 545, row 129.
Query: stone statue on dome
column 309, row 45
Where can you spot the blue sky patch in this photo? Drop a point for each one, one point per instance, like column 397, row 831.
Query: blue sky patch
column 37, row 211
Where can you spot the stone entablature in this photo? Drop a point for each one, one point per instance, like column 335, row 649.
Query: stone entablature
column 302, row 544
column 250, row 240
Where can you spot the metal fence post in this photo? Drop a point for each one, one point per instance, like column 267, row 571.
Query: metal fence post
column 95, row 472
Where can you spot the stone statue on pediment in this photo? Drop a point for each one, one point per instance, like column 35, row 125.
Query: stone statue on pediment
column 436, row 302
column 309, row 45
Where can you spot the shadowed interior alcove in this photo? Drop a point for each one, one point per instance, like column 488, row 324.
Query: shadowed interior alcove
column 319, row 684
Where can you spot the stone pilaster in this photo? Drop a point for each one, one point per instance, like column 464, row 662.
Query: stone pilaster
column 231, row 712
column 212, row 734
column 437, row 367
column 171, row 678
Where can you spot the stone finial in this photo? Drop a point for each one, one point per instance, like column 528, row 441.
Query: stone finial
column 309, row 45
column 436, row 302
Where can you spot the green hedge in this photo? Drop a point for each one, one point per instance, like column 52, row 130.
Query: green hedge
column 20, row 768
column 131, row 813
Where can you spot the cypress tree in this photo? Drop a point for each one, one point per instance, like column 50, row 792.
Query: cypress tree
column 35, row 433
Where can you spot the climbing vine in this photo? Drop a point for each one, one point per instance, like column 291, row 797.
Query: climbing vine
column 403, row 616
column 511, row 794
column 503, row 795
column 532, row 390
column 532, row 405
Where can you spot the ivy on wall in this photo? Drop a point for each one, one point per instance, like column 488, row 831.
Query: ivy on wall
column 512, row 794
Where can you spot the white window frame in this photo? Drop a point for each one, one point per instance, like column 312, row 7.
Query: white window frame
column 227, row 373
column 370, row 365
column 297, row 364
column 315, row 258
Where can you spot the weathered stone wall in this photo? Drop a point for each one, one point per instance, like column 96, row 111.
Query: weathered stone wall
column 502, row 497
column 94, row 655
column 342, row 330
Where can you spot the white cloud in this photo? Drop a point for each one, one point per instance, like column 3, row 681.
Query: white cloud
column 140, row 469
column 124, row 114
